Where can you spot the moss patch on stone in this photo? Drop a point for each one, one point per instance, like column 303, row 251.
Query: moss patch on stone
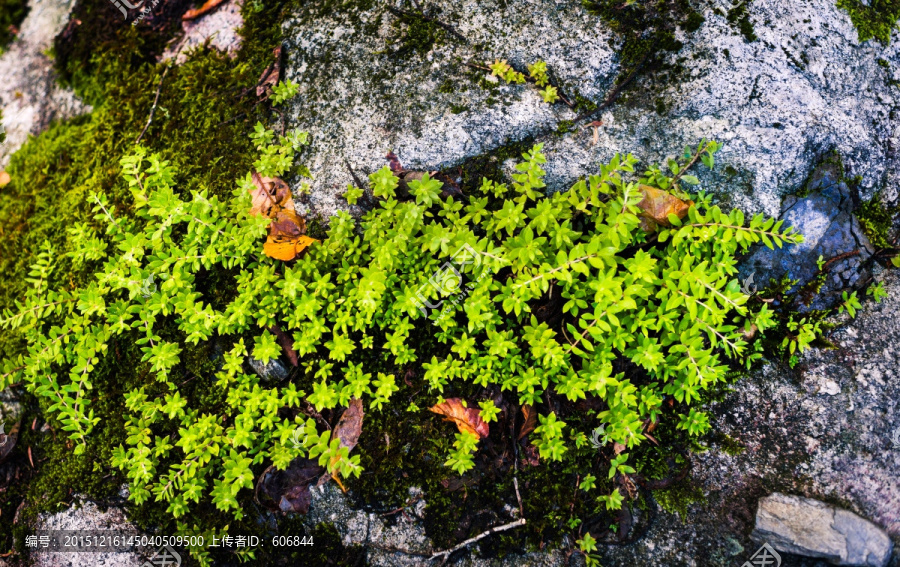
column 876, row 19
column 877, row 220
column 740, row 17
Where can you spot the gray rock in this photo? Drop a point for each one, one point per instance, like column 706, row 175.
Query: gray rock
column 87, row 516
column 274, row 371
column 804, row 88
column 823, row 430
column 29, row 96
column 358, row 100
column 10, row 407
column 829, row 228
column 807, row 527
column 218, row 27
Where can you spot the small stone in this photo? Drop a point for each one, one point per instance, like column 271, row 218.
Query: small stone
column 810, row 528
column 830, row 387
column 274, row 371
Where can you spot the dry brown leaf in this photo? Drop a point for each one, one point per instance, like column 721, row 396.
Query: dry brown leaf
column 394, row 162
column 468, row 420
column 206, row 7
column 657, row 205
column 270, row 76
column 271, row 197
column 4, row 179
column 288, row 490
column 349, row 426
column 531, row 456
column 529, row 421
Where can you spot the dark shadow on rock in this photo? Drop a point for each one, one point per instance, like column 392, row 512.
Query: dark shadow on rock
column 830, row 230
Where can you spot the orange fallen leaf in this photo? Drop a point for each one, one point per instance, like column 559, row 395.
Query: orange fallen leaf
column 468, row 420
column 206, row 7
column 4, row 179
column 657, row 205
column 287, row 249
column 271, row 197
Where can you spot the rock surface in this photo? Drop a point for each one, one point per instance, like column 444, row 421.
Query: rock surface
column 273, row 371
column 823, row 430
column 807, row 527
column 87, row 516
column 385, row 540
column 30, row 98
column 218, row 27
column 780, row 103
column 830, row 231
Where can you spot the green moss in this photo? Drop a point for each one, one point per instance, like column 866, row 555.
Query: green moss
column 693, row 22
column 740, row 16
column 677, row 499
column 728, row 444
column 647, row 28
column 201, row 125
column 877, row 20
column 565, row 126
column 458, row 108
column 876, row 221
column 416, row 34
column 660, row 107
column 12, row 13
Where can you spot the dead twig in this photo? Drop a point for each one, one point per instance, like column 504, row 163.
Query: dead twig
column 446, row 554
column 155, row 104
column 838, row 258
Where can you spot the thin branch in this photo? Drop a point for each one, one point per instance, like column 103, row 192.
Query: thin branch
column 689, row 164
column 446, row 554
column 153, row 108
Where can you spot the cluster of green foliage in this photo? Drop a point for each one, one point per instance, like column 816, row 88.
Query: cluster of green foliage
column 537, row 72
column 873, row 20
column 665, row 302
